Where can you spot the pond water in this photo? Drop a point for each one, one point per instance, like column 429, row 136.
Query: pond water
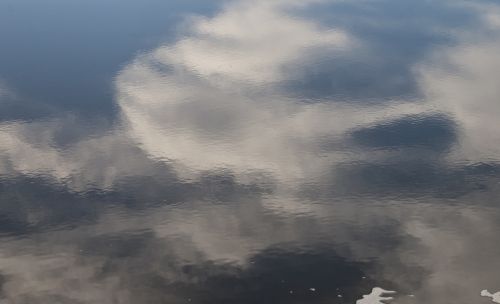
column 249, row 151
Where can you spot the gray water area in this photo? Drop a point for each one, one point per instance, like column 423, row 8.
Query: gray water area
column 264, row 151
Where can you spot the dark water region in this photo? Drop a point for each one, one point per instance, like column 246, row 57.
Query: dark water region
column 277, row 151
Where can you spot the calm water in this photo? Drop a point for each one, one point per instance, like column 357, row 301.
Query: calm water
column 249, row 151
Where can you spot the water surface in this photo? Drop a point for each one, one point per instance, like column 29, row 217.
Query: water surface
column 265, row 151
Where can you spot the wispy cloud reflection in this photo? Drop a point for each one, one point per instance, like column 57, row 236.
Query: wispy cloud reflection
column 259, row 181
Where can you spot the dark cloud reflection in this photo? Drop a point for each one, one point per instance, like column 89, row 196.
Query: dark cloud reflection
column 436, row 133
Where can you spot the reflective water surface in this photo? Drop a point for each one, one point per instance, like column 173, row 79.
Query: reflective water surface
column 264, row 151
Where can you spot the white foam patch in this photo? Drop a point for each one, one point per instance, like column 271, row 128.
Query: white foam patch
column 495, row 297
column 376, row 296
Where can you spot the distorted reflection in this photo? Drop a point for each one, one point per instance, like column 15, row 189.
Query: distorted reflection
column 218, row 183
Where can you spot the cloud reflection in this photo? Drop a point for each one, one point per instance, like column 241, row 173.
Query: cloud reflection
column 210, row 112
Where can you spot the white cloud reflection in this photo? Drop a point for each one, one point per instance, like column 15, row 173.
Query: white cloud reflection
column 247, row 42
column 467, row 85
column 212, row 100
